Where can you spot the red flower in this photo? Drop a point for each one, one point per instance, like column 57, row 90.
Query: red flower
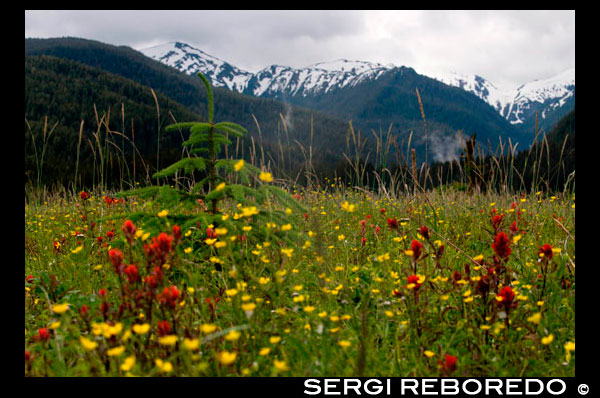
column 102, row 292
column 110, row 234
column 29, row 279
column 84, row 195
column 508, row 296
column 496, row 221
column 424, row 231
column 177, row 233
column 417, row 248
column 382, row 210
column 363, row 241
column 210, row 233
column 501, row 245
column 546, row 250
column 116, row 257
column 449, row 363
column 164, row 328
column 129, row 230
column 43, row 334
column 392, row 223
column 513, row 227
column 27, row 356
column 132, row 273
column 83, row 311
column 414, row 279
column 169, row 296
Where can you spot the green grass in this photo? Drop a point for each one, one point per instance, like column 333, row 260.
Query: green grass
column 338, row 306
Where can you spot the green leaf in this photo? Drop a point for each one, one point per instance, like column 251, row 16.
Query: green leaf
column 188, row 165
column 209, row 97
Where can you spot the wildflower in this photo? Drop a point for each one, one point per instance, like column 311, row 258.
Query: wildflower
column 141, row 329
column 163, row 213
column 168, row 340
column 424, row 231
column 208, row 328
column 348, row 207
column 264, row 351
column 233, row 335
column 506, row 297
column 84, row 195
column 169, row 296
column 392, row 223
column 43, row 335
column 415, row 281
column 176, row 233
column 191, row 344
column 266, row 177
column 226, row 357
column 132, row 273
column 60, row 308
column 128, row 363
column 238, row 165
column 164, row 328
column 449, row 363
column 496, row 221
column 88, row 344
column 116, row 351
column 428, row 353
column 275, row 339
column 416, row 248
column 501, row 245
column 344, row 343
column 165, row 367
column 280, row 365
column 220, row 187
column 116, row 257
column 286, row 227
column 546, row 252
column 129, row 230
column 548, row 339
column 77, row 249
column 287, row 252
column 569, row 347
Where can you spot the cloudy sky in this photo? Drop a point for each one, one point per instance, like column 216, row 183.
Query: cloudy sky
column 506, row 47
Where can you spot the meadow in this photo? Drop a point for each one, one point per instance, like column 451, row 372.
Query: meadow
column 245, row 274
column 431, row 283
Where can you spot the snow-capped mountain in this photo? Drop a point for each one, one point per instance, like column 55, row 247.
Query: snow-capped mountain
column 518, row 106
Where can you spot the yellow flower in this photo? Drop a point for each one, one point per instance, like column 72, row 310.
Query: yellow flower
column 247, row 228
column 286, row 227
column 187, row 250
column 128, row 363
column 163, row 213
column 54, row 325
column 220, row 186
column 168, row 340
column 210, row 241
column 248, row 307
column 535, row 318
column 219, row 245
column 226, row 357
column 309, row 309
column 88, row 344
column 231, row 292
column 141, row 329
column 208, row 328
column 344, row 343
column 60, row 308
column 266, row 177
column 348, row 207
column 516, row 238
column 164, row 366
column 191, row 344
column 429, row 354
column 233, row 335
column 238, row 165
column 263, row 280
column 280, row 365
column 77, row 249
column 264, row 351
column 548, row 339
column 113, row 352
column 275, row 339
column 569, row 347
column 287, row 252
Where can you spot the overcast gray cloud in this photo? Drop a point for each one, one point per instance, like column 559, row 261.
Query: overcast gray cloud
column 506, row 47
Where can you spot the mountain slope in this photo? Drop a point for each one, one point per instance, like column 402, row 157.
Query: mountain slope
column 551, row 98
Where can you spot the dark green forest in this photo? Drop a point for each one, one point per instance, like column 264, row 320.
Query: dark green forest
column 110, row 89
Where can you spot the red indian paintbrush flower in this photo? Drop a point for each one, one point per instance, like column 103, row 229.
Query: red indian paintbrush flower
column 417, row 248
column 177, row 233
column 424, row 231
column 84, row 195
column 414, row 279
column 169, row 296
column 501, row 245
column 164, row 328
column 506, row 297
column 496, row 221
column 129, row 230
column 116, row 257
column 546, row 250
column 448, row 363
column 132, row 273
column 43, row 334
column 392, row 223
